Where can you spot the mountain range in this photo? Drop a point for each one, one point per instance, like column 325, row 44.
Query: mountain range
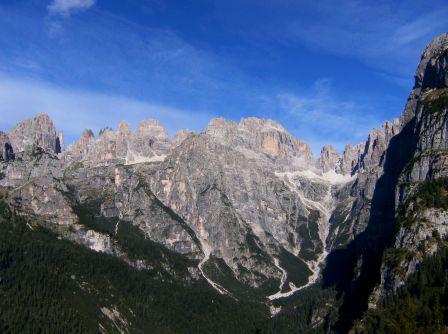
column 234, row 229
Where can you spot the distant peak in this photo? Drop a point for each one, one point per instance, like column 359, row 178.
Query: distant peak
column 124, row 127
column 87, row 133
column 149, row 123
column 261, row 124
column 250, row 123
column 437, row 45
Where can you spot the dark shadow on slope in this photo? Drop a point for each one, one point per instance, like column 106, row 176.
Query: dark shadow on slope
column 355, row 270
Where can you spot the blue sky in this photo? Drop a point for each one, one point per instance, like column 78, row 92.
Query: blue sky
column 328, row 71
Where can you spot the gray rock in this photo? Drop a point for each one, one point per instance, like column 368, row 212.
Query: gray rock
column 329, row 159
column 38, row 131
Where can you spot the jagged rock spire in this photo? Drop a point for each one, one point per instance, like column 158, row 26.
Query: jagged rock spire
column 329, row 159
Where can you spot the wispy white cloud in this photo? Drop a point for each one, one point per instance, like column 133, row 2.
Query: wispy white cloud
column 320, row 117
column 66, row 7
column 385, row 35
column 73, row 110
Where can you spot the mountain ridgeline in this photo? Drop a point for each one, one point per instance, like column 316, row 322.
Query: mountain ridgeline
column 237, row 229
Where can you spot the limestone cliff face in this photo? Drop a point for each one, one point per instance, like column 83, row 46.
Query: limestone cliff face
column 365, row 163
column 180, row 136
column 392, row 222
column 329, row 159
column 351, row 158
column 149, row 142
column 422, row 224
column 261, row 139
column 422, row 80
column 38, row 131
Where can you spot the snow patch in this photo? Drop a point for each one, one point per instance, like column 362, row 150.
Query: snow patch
column 328, row 177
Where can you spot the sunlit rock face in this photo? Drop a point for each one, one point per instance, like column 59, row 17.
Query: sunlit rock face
column 150, row 142
column 263, row 140
column 329, row 159
column 351, row 158
column 180, row 136
column 38, row 131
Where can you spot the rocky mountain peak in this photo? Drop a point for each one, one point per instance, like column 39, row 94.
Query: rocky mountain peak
column 221, row 128
column 329, row 159
column 124, row 129
column 434, row 52
column 430, row 74
column 260, row 139
column 87, row 135
column 180, row 136
column 377, row 143
column 78, row 151
column 254, row 124
column 152, row 127
column 38, row 131
column 351, row 158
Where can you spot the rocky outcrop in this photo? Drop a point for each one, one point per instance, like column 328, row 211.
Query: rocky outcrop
column 422, row 223
column 34, row 187
column 6, row 150
column 429, row 58
column 351, row 158
column 180, row 136
column 329, row 159
column 263, row 140
column 38, row 131
column 390, row 229
column 150, row 142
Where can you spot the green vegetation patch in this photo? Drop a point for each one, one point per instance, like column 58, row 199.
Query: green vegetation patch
column 297, row 269
column 393, row 257
column 131, row 239
column 433, row 194
column 429, row 194
column 311, row 310
column 48, row 285
column 421, row 306
column 218, row 271
column 309, row 234
column 436, row 101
